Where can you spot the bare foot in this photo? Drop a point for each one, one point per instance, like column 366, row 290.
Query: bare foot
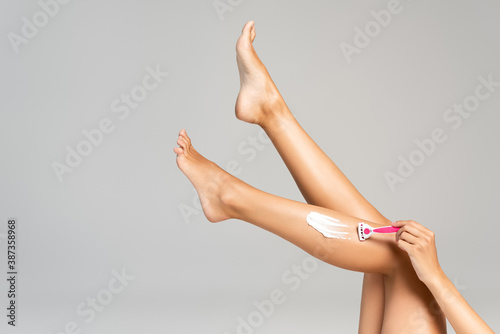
column 210, row 181
column 258, row 96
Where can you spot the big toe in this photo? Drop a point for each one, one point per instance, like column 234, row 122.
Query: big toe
column 178, row 150
column 249, row 31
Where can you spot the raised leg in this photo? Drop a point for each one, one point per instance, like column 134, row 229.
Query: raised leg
column 223, row 196
column 410, row 305
column 319, row 179
column 321, row 182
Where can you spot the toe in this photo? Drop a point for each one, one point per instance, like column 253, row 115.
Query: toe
column 180, row 142
column 248, row 29
column 245, row 27
column 252, row 32
column 183, row 140
column 186, row 138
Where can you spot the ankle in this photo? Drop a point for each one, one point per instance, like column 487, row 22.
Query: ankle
column 276, row 115
column 229, row 197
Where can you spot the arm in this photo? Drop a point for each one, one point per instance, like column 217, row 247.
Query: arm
column 419, row 243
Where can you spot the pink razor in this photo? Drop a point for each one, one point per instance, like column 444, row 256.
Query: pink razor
column 365, row 231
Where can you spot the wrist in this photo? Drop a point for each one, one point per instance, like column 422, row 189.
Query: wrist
column 436, row 280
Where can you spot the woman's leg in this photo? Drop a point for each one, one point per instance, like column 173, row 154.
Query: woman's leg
column 223, row 196
column 320, row 181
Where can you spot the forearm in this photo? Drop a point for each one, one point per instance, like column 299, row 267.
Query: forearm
column 461, row 316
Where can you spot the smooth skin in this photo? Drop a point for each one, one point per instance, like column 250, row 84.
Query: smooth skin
column 419, row 243
column 320, row 181
column 409, row 306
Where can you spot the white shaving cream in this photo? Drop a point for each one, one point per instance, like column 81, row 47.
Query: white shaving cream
column 328, row 226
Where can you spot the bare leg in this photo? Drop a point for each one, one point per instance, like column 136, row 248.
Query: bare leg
column 224, row 196
column 318, row 178
column 321, row 182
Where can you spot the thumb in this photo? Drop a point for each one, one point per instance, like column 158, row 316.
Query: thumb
column 401, row 223
column 397, row 223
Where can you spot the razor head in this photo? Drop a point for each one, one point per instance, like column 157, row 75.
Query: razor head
column 364, row 231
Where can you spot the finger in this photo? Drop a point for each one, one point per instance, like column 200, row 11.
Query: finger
column 401, row 223
column 412, row 228
column 398, row 223
column 404, row 246
column 399, row 232
column 415, row 228
column 405, row 227
column 409, row 238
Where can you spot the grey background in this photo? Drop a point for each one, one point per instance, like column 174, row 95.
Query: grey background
column 121, row 207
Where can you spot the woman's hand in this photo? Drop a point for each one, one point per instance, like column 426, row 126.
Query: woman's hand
column 419, row 243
